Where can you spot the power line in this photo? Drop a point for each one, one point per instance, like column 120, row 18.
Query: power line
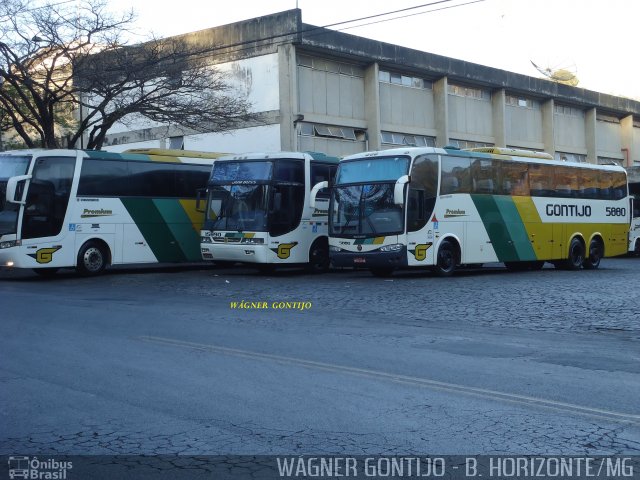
column 48, row 5
column 411, row 15
column 320, row 30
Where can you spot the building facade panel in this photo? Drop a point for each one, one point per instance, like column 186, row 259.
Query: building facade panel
column 609, row 139
column 569, row 129
column 523, row 122
column 469, row 116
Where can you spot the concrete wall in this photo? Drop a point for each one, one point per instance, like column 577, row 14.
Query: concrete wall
column 404, row 108
column 524, row 126
column 569, row 132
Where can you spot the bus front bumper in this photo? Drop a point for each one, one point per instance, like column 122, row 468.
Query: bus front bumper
column 235, row 253
column 375, row 259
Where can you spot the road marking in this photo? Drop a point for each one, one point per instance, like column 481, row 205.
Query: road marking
column 403, row 379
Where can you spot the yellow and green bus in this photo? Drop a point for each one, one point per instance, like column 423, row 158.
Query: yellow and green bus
column 90, row 209
column 443, row 208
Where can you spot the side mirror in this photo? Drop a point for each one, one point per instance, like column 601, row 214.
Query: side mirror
column 12, row 187
column 314, row 192
column 398, row 191
column 200, row 194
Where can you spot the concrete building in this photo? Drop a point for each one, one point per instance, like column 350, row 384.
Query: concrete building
column 322, row 90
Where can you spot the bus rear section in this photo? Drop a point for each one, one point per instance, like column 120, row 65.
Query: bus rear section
column 634, row 192
column 258, row 210
column 90, row 209
column 443, row 208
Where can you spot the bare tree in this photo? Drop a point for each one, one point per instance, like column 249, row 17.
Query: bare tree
column 66, row 74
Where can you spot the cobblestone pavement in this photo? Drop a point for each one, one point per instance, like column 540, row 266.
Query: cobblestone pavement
column 156, row 361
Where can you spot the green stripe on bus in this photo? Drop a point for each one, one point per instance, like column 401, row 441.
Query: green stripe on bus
column 496, row 227
column 369, row 241
column 181, row 227
column 515, row 227
column 155, row 231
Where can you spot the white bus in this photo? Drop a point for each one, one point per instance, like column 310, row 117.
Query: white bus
column 91, row 209
column 634, row 191
column 258, row 210
column 442, row 208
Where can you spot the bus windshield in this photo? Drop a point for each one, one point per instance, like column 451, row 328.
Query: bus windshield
column 238, row 207
column 362, row 199
column 372, row 170
column 365, row 210
column 260, row 196
column 230, row 172
column 10, row 166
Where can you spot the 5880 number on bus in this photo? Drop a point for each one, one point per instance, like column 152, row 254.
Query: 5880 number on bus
column 616, row 211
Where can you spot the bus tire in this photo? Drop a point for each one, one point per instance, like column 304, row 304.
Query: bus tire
column 46, row 272
column 446, row 260
column 576, row 255
column 318, row 256
column 596, row 252
column 636, row 249
column 92, row 258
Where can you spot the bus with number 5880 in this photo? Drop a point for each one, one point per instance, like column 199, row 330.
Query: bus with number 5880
column 444, row 208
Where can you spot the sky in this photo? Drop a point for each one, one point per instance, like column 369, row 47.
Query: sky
column 595, row 39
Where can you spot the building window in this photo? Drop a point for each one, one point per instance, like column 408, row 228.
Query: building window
column 570, row 157
column 469, row 92
column 330, row 66
column 468, row 143
column 406, row 139
column 176, row 143
column 568, row 111
column 610, row 161
column 607, row 118
column 331, row 131
column 404, row 80
column 518, row 101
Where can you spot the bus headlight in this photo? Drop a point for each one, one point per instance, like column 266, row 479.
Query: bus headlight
column 253, row 241
column 335, row 249
column 206, row 240
column 394, row 247
column 10, row 243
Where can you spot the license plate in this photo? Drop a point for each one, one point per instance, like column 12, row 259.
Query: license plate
column 359, row 260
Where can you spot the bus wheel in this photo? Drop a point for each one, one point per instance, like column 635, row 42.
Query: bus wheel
column 383, row 272
column 576, row 255
column 92, row 259
column 46, row 272
column 446, row 260
column 592, row 261
column 636, row 250
column 318, row 256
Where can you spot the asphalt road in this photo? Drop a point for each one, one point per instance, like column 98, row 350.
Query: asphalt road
column 157, row 361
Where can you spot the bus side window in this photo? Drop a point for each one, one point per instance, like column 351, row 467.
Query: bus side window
column 515, row 178
column 619, row 185
column 48, row 196
column 456, row 175
column 422, row 192
column 320, row 173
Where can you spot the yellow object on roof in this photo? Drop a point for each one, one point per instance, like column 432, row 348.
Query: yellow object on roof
column 515, row 152
column 165, row 152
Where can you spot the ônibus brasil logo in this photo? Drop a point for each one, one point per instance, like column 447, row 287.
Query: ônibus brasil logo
column 33, row 468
